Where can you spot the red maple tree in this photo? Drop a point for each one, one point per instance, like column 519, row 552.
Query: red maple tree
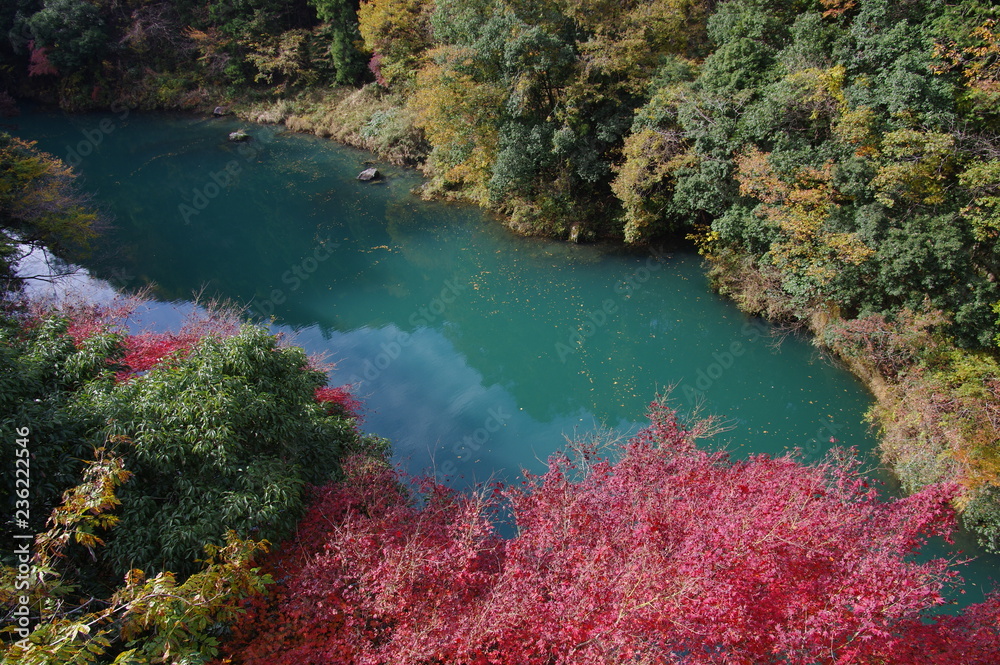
column 148, row 349
column 39, row 64
column 340, row 398
column 671, row 554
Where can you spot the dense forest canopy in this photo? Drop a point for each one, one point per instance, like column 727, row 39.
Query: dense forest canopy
column 848, row 147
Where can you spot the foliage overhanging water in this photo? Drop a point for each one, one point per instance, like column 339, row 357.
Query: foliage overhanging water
column 476, row 352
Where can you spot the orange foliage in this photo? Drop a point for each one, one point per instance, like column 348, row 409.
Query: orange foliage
column 800, row 210
column 979, row 64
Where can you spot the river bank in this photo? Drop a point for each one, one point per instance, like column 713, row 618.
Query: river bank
column 935, row 406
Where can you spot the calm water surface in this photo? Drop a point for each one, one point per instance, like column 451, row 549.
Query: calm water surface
column 476, row 352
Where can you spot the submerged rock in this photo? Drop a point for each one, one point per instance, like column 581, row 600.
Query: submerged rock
column 369, row 174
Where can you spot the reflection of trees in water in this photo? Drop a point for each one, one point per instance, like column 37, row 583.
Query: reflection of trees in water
column 411, row 222
column 514, row 299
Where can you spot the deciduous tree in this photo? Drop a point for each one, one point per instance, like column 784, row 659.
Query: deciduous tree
column 808, row 246
column 669, row 554
column 398, row 32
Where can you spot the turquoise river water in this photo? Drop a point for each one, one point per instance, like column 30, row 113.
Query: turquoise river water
column 476, row 352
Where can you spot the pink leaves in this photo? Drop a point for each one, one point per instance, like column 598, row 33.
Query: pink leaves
column 668, row 551
column 340, row 397
column 390, row 575
column 39, row 64
column 88, row 319
column 375, row 67
column 147, row 350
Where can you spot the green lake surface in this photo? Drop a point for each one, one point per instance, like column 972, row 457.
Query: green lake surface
column 477, row 352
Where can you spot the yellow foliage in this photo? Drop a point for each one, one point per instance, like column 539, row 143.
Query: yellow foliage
column 800, row 210
column 855, row 127
column 161, row 620
column 85, row 509
column 822, row 90
column 835, row 8
column 629, row 39
column 922, row 163
column 37, row 197
column 181, row 612
column 705, row 239
column 979, row 64
column 457, row 114
column 211, row 45
column 399, row 32
column 282, row 55
column 982, row 179
column 644, row 180
column 966, row 394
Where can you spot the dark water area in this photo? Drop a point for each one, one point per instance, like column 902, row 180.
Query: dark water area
column 477, row 352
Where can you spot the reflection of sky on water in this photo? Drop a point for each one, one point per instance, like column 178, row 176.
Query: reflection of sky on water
column 437, row 410
column 445, row 416
column 418, row 391
column 562, row 330
column 37, row 266
column 490, row 367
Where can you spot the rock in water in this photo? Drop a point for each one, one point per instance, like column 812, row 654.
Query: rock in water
column 369, row 174
column 239, row 135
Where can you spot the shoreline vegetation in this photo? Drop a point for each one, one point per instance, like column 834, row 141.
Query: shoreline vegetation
column 937, row 406
column 837, row 162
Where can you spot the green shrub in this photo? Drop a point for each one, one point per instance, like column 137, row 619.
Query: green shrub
column 225, row 435
column 982, row 516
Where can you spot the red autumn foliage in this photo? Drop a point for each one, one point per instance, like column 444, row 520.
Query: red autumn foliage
column 39, row 64
column 84, row 329
column 86, row 319
column 146, row 350
column 341, row 398
column 670, row 555
column 375, row 67
column 443, row 555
